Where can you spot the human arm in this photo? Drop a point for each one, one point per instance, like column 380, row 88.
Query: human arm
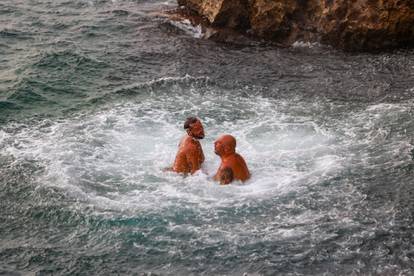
column 226, row 176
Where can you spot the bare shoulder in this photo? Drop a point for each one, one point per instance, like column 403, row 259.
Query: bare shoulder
column 239, row 157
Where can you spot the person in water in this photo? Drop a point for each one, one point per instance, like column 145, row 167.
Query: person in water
column 233, row 166
column 190, row 155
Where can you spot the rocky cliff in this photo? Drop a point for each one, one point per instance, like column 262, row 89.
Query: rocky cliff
column 346, row 24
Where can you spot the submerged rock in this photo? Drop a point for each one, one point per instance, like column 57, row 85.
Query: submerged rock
column 350, row 25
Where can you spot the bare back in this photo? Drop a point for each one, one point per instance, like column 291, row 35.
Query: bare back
column 189, row 157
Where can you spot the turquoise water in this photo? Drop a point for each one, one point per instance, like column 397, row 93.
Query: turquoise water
column 93, row 95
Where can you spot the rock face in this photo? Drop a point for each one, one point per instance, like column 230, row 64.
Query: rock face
column 232, row 14
column 350, row 25
column 373, row 24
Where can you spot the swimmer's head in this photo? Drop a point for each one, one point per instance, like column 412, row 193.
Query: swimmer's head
column 226, row 176
column 225, row 145
column 194, row 127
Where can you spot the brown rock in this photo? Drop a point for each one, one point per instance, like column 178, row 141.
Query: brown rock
column 271, row 18
column 232, row 14
column 351, row 25
column 368, row 24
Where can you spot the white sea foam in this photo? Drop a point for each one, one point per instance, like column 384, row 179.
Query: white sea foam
column 130, row 144
column 113, row 159
column 3, row 136
column 190, row 29
column 303, row 44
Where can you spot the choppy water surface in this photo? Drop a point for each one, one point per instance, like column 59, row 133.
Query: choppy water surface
column 93, row 95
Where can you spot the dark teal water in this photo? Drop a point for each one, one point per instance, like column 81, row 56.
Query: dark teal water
column 93, row 95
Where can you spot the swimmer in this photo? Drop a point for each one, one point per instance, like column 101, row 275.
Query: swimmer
column 225, row 147
column 190, row 155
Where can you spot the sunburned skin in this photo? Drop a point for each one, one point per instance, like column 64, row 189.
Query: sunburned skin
column 190, row 155
column 225, row 147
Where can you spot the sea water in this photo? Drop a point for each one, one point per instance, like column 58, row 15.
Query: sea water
column 93, row 97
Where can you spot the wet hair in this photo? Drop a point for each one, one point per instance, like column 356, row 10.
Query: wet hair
column 189, row 121
column 226, row 175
